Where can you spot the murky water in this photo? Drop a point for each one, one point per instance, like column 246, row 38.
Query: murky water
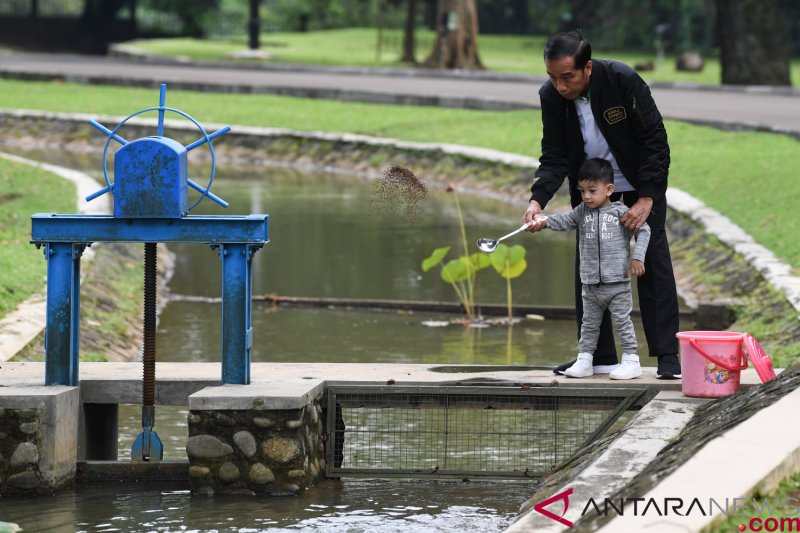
column 329, row 238
column 331, row 506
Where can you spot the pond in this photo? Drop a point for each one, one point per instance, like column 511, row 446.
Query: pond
column 331, row 237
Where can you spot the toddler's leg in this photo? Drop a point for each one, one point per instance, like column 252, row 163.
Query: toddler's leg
column 590, row 330
column 620, row 306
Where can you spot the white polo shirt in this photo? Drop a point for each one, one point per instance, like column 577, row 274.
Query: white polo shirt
column 595, row 145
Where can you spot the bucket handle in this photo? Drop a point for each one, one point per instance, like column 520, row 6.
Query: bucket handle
column 724, row 364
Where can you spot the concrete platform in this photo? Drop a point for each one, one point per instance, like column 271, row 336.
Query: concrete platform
column 290, row 385
column 121, row 382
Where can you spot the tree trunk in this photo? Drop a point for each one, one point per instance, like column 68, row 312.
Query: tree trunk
column 96, row 19
column 456, row 45
column 409, row 48
column 754, row 48
column 430, row 14
column 254, row 26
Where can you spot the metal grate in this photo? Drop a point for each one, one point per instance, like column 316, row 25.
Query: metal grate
column 435, row 431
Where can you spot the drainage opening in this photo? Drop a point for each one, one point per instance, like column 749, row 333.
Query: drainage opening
column 458, row 432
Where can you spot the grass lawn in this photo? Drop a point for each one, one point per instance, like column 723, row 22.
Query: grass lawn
column 358, row 47
column 23, row 191
column 745, row 175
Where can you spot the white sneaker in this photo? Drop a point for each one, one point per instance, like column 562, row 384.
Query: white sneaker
column 629, row 368
column 605, row 369
column 582, row 367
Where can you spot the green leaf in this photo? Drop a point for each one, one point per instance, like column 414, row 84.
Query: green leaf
column 517, row 254
column 505, row 254
column 480, row 260
column 435, row 258
column 456, row 270
column 514, row 271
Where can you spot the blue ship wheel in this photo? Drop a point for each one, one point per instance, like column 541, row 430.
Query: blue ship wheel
column 162, row 108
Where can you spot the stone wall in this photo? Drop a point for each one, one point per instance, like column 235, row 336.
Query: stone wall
column 276, row 452
column 38, row 439
column 20, row 435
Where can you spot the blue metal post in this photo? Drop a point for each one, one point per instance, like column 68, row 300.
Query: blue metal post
column 162, row 102
column 63, row 312
column 237, row 333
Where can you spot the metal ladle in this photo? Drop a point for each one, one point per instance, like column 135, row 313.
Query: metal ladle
column 490, row 245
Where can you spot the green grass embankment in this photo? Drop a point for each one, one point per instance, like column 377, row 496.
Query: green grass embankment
column 23, row 191
column 111, row 292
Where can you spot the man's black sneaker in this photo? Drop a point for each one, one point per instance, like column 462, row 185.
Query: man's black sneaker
column 560, row 369
column 669, row 367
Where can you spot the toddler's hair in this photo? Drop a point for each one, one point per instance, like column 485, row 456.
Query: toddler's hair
column 596, row 169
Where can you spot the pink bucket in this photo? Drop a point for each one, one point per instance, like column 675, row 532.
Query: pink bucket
column 711, row 362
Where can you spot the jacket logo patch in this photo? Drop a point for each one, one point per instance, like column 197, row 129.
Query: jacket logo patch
column 614, row 114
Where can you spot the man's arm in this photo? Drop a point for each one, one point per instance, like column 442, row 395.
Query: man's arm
column 651, row 135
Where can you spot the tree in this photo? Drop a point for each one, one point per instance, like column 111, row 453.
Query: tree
column 192, row 13
column 96, row 19
column 254, row 25
column 409, row 47
column 754, row 49
column 456, row 44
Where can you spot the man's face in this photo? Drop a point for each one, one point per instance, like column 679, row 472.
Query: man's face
column 568, row 81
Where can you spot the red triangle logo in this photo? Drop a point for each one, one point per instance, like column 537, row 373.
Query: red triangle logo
column 540, row 507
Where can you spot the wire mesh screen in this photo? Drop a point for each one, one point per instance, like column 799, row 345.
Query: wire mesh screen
column 430, row 431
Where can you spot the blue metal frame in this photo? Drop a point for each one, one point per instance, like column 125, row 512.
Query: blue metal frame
column 65, row 236
column 63, row 312
column 50, row 227
column 237, row 332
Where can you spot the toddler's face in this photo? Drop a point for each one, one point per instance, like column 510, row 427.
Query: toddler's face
column 595, row 193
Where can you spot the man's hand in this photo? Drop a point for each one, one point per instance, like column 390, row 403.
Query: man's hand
column 637, row 215
column 534, row 210
column 637, row 268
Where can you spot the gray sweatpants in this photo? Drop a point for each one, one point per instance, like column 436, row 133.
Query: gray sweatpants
column 617, row 298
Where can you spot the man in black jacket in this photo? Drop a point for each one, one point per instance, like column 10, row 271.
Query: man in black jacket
column 602, row 108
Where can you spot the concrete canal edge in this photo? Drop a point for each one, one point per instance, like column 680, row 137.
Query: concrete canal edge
column 675, row 408
column 680, row 465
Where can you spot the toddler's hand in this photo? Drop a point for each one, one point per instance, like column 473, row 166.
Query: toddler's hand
column 538, row 224
column 637, row 268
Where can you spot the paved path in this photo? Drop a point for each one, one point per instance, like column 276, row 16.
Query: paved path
column 767, row 108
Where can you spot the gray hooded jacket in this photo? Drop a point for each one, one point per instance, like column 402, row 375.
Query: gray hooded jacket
column 603, row 242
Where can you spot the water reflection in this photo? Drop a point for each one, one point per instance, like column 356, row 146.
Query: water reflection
column 287, row 334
